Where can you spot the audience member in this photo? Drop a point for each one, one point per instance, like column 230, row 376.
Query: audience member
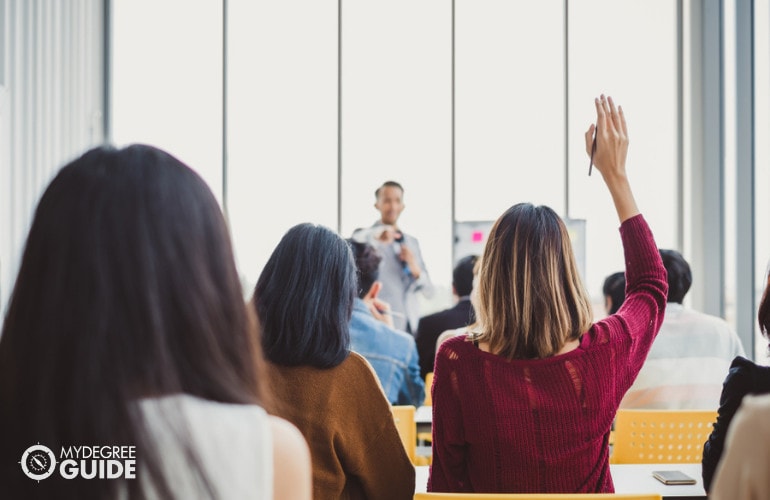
column 402, row 269
column 743, row 378
column 614, row 290
column 127, row 327
column 467, row 329
column 392, row 354
column 462, row 314
column 693, row 351
column 540, row 385
column 304, row 299
column 742, row 472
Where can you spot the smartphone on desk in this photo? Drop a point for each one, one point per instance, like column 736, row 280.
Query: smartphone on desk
column 672, row 477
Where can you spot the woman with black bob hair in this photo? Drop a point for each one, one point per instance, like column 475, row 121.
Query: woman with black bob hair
column 304, row 301
column 127, row 327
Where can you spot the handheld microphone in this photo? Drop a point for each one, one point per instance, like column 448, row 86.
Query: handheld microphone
column 404, row 265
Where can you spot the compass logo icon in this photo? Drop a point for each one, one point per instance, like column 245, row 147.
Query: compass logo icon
column 38, row 462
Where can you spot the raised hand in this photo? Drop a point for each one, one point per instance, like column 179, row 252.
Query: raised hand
column 610, row 154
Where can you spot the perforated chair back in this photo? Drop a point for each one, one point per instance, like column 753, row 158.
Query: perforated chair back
column 535, row 496
column 661, row 436
column 407, row 429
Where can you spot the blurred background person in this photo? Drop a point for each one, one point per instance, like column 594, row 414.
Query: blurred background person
column 127, row 327
column 614, row 291
column 402, row 269
column 460, row 315
column 392, row 354
column 690, row 355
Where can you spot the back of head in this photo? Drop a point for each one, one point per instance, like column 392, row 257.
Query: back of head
column 531, row 297
column 462, row 275
column 127, row 289
column 615, row 288
column 679, row 275
column 367, row 265
column 304, row 298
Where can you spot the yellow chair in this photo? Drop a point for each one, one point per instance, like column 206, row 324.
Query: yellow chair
column 535, row 496
column 407, row 429
column 428, row 384
column 661, row 436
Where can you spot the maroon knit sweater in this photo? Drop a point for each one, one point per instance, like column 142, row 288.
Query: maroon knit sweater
column 542, row 425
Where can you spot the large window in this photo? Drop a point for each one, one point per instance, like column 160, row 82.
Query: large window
column 472, row 105
column 166, row 81
column 611, row 51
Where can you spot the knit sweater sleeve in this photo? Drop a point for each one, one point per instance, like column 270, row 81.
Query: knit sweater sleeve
column 634, row 327
column 448, row 472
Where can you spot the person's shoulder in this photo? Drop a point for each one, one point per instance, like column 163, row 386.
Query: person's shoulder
column 454, row 347
column 357, row 366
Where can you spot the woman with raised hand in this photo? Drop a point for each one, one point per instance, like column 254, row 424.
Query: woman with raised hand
column 127, row 327
column 525, row 403
column 304, row 300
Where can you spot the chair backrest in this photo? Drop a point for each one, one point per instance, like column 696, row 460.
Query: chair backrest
column 407, row 429
column 661, row 436
column 535, row 496
column 428, row 384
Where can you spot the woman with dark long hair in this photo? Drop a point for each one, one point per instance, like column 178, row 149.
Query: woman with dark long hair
column 304, row 300
column 127, row 328
column 526, row 401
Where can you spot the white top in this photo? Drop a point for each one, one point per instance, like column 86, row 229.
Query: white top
column 742, row 474
column 687, row 363
column 233, row 443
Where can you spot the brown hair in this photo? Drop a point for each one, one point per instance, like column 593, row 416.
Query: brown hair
column 531, row 298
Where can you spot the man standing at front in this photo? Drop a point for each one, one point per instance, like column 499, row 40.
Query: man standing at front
column 402, row 270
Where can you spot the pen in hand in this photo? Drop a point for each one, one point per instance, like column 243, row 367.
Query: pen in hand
column 593, row 150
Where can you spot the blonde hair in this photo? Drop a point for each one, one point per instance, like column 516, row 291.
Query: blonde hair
column 531, row 298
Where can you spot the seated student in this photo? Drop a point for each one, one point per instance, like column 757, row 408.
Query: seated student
column 304, row 298
column 392, row 354
column 742, row 473
column 474, row 298
column 461, row 314
column 743, row 378
column 526, row 404
column 127, row 327
column 614, row 291
column 693, row 351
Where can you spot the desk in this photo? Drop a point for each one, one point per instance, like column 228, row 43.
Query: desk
column 423, row 417
column 628, row 478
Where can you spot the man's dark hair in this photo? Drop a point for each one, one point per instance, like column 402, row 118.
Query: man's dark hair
column 304, row 298
column 462, row 275
column 367, row 265
column 679, row 275
column 615, row 288
column 388, row 184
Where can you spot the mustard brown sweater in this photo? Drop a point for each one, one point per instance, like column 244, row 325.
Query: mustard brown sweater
column 342, row 412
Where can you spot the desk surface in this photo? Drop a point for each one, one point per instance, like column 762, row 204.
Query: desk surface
column 628, row 478
column 423, row 415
